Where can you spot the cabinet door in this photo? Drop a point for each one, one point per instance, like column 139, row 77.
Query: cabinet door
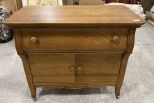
column 97, row 67
column 57, row 68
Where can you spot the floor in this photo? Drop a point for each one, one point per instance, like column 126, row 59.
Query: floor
column 138, row 85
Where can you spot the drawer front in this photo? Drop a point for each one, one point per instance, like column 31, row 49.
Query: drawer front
column 52, row 68
column 97, row 67
column 75, row 40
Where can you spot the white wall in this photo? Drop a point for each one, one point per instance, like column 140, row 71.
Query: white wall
column 24, row 2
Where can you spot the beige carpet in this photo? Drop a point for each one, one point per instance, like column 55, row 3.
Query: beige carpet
column 138, row 85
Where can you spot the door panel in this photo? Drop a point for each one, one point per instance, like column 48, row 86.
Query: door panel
column 52, row 67
column 97, row 67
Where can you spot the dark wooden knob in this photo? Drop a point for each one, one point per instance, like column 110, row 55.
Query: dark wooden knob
column 71, row 68
column 33, row 39
column 115, row 38
column 79, row 69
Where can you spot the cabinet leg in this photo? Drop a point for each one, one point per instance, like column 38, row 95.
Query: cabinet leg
column 121, row 74
column 33, row 94
column 117, row 92
column 35, row 99
column 29, row 75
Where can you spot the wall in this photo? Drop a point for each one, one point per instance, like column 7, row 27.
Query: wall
column 8, row 4
column 24, row 2
column 91, row 2
column 86, row 2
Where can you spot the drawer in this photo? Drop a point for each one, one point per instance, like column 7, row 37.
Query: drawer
column 74, row 39
column 52, row 68
column 97, row 67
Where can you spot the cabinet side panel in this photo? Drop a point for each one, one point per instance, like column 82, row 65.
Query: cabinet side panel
column 124, row 60
column 24, row 57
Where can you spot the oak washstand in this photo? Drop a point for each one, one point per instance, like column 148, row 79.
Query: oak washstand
column 74, row 46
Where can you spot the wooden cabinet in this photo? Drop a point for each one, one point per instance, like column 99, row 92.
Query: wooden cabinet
column 74, row 46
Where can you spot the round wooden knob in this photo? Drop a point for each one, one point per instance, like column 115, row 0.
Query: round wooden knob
column 71, row 68
column 115, row 38
column 79, row 69
column 33, row 39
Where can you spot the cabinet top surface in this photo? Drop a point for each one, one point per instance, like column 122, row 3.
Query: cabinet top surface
column 74, row 15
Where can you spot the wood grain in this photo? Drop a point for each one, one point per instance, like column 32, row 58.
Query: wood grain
column 121, row 74
column 76, row 85
column 28, row 75
column 98, row 63
column 52, row 68
column 24, row 57
column 75, row 39
column 74, row 15
column 131, row 40
column 74, row 46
